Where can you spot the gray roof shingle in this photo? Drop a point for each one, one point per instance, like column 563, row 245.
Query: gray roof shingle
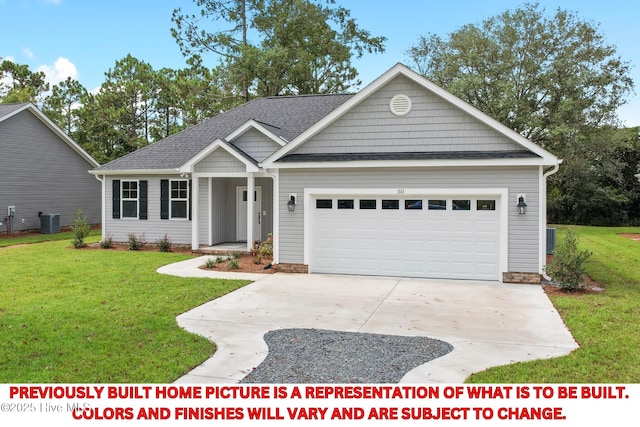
column 285, row 116
column 6, row 109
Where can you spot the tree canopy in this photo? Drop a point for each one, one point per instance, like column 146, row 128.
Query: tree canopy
column 556, row 81
column 278, row 47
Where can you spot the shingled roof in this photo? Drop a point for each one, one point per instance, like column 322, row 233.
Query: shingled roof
column 284, row 116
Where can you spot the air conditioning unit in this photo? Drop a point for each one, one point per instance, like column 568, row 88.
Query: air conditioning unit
column 49, row 223
column 551, row 240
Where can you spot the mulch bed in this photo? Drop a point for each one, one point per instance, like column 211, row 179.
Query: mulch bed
column 246, row 264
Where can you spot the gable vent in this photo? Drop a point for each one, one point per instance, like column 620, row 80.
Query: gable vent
column 400, row 105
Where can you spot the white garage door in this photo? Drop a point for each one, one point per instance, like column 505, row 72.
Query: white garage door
column 418, row 236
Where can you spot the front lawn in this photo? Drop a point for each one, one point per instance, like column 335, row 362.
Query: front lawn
column 97, row 316
column 105, row 316
column 606, row 325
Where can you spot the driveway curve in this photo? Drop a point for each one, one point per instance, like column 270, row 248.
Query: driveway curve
column 488, row 323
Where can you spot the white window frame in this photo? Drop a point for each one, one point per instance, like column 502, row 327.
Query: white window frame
column 129, row 199
column 178, row 199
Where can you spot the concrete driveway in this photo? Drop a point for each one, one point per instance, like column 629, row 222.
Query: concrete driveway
column 488, row 323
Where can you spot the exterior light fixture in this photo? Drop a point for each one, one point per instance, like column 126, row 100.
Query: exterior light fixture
column 522, row 206
column 291, row 204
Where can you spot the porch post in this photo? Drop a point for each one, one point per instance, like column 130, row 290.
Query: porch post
column 195, row 210
column 251, row 188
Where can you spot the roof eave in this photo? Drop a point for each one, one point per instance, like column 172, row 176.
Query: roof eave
column 410, row 163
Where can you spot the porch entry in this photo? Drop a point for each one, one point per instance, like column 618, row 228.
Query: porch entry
column 241, row 213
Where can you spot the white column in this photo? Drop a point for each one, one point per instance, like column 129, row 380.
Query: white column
column 251, row 188
column 195, row 210
column 210, row 210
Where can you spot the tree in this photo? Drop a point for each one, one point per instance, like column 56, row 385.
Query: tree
column 302, row 46
column 555, row 81
column 63, row 102
column 549, row 79
column 24, row 85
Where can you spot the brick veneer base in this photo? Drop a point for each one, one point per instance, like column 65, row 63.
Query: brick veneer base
column 293, row 268
column 531, row 278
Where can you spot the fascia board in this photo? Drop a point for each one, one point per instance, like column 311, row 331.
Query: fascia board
column 135, row 172
column 252, row 124
column 412, row 163
column 218, row 143
column 13, row 113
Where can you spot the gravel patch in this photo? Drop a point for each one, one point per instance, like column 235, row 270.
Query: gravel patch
column 298, row 356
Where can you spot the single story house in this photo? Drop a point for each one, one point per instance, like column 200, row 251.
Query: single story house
column 43, row 173
column 399, row 179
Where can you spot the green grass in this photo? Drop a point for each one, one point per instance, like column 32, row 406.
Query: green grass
column 87, row 316
column 39, row 238
column 97, row 316
column 605, row 325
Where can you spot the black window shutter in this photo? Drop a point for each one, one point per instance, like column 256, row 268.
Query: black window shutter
column 164, row 199
column 115, row 198
column 143, row 200
column 190, row 192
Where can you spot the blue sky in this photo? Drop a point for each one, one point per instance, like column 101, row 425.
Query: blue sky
column 84, row 38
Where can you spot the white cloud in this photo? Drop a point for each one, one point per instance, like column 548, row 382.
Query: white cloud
column 59, row 71
column 27, row 52
column 56, row 2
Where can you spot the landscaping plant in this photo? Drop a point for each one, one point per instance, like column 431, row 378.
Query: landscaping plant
column 567, row 267
column 80, row 230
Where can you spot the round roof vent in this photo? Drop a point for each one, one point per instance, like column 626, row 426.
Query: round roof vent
column 400, row 105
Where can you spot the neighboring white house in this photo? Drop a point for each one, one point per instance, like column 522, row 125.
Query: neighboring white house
column 42, row 172
column 399, row 179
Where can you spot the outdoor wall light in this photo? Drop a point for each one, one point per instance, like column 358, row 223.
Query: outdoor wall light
column 522, row 206
column 291, row 204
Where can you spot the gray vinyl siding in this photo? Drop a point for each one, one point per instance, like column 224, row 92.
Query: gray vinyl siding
column 256, row 144
column 523, row 229
column 223, row 210
column 39, row 172
column 220, row 161
column 432, row 125
column 151, row 229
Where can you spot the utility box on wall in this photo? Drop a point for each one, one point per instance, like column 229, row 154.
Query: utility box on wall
column 50, row 223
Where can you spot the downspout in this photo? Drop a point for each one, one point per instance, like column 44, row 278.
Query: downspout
column 543, row 228
column 103, row 213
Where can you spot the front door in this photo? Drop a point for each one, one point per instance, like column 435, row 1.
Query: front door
column 241, row 213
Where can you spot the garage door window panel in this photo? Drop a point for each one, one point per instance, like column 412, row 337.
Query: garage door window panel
column 486, row 205
column 411, row 205
column 324, row 204
column 367, row 204
column 437, row 205
column 461, row 205
column 345, row 204
column 390, row 204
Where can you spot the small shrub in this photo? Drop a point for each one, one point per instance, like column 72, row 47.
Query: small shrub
column 135, row 243
column 80, row 230
column 164, row 244
column 235, row 255
column 262, row 250
column 219, row 259
column 567, row 266
column 266, row 248
column 210, row 263
column 106, row 243
column 233, row 264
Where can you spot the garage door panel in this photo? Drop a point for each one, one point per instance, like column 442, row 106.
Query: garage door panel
column 406, row 242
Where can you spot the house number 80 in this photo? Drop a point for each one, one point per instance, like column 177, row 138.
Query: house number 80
column 400, row 190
